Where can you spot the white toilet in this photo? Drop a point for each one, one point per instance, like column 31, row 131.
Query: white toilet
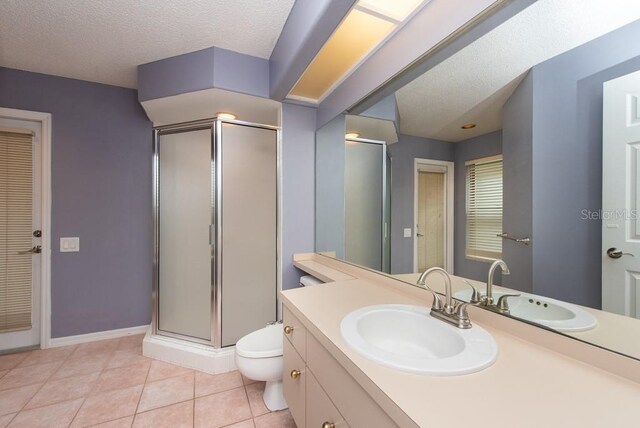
column 259, row 357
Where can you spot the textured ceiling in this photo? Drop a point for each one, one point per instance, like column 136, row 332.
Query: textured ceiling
column 473, row 84
column 104, row 40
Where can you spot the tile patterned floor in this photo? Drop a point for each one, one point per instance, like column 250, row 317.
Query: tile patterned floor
column 110, row 384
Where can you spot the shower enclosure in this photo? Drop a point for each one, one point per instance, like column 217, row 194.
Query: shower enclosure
column 215, row 199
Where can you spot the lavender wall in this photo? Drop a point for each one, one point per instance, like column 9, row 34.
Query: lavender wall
column 473, row 148
column 567, row 159
column 101, row 192
column 517, row 219
column 298, row 174
column 402, row 187
column 208, row 68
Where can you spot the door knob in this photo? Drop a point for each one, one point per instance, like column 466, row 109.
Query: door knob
column 614, row 253
column 295, row 374
column 35, row 250
column 288, row 329
column 328, row 425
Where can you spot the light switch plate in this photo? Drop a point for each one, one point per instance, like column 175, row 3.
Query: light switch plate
column 407, row 232
column 70, row 245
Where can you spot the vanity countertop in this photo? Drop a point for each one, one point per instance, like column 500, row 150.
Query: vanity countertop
column 528, row 386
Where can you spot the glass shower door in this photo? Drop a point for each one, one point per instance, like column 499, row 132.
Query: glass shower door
column 184, row 215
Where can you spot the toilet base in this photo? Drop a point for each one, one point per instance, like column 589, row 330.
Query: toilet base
column 273, row 396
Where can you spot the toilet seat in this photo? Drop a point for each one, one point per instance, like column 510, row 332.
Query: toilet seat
column 263, row 343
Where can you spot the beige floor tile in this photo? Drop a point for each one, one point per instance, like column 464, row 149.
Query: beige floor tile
column 4, row 420
column 175, row 416
column 161, row 370
column 28, row 375
column 108, row 406
column 247, row 381
column 118, row 423
column 81, row 366
column 13, row 400
column 125, row 357
column 71, row 388
column 207, row 384
column 56, row 415
column 244, row 424
column 281, row 419
column 93, row 348
column 42, row 356
column 167, row 391
column 129, row 342
column 10, row 361
column 254, row 393
column 222, row 409
column 122, row 377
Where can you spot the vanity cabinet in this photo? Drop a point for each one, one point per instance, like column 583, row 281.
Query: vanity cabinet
column 319, row 391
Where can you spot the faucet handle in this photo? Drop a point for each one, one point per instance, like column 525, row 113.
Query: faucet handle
column 463, row 316
column 503, row 305
column 476, row 297
column 437, row 304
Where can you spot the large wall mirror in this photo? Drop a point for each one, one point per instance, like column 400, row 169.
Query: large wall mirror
column 523, row 145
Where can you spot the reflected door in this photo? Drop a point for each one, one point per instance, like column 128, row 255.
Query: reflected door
column 431, row 220
column 364, row 200
column 185, row 198
column 621, row 196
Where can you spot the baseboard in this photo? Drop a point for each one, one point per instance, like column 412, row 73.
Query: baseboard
column 100, row 335
column 188, row 354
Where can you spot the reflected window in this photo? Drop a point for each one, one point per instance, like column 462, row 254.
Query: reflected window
column 484, row 208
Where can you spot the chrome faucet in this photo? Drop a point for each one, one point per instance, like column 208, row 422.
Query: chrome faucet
column 453, row 313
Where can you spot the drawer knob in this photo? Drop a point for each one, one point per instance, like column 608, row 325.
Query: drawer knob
column 328, row 425
column 295, row 374
column 288, row 329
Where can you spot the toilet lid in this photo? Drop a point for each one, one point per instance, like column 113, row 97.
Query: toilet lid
column 263, row 343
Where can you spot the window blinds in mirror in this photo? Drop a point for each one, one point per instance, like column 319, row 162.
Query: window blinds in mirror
column 484, row 208
column 16, row 153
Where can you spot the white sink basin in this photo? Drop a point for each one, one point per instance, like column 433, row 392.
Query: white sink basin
column 407, row 338
column 555, row 314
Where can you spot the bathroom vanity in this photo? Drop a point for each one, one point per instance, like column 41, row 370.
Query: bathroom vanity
column 539, row 378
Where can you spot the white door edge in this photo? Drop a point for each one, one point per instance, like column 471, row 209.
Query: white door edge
column 421, row 164
column 45, row 264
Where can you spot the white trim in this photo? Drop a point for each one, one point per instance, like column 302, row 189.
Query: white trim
column 45, row 221
column 480, row 161
column 189, row 354
column 100, row 335
column 420, row 164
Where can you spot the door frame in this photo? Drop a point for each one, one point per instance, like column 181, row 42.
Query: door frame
column 420, row 164
column 45, row 263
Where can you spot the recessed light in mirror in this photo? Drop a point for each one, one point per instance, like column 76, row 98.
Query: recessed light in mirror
column 469, row 126
column 352, row 135
column 225, row 115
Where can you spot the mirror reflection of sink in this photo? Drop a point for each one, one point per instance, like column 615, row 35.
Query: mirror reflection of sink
column 548, row 312
column 407, row 338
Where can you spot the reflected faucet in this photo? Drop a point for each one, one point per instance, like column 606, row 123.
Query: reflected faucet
column 453, row 313
column 505, row 271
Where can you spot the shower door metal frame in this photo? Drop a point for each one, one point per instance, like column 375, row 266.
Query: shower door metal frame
column 215, row 232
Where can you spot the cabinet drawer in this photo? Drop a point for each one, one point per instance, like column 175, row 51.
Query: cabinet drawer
column 297, row 333
column 320, row 409
column 353, row 402
column 294, row 388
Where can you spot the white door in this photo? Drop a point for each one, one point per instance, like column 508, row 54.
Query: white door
column 20, row 233
column 621, row 196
